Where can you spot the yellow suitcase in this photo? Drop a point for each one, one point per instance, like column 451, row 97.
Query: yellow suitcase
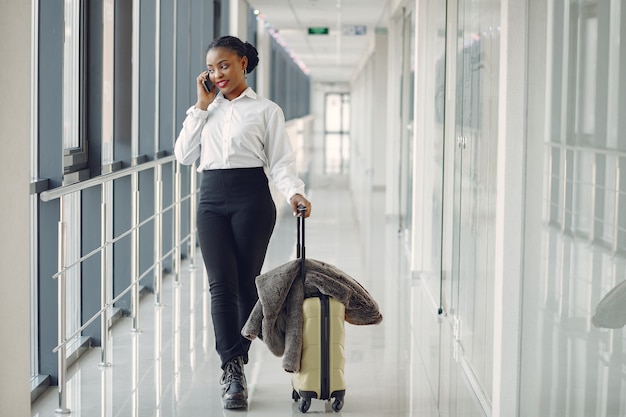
column 322, row 364
column 323, row 333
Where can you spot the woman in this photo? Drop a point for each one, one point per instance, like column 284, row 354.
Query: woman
column 238, row 137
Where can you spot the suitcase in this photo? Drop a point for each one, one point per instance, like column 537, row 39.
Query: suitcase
column 321, row 374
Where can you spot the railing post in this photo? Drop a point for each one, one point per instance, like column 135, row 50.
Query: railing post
column 592, row 199
column 177, row 252
column 616, row 208
column 135, row 386
column 62, row 312
column 134, row 252
column 104, row 279
column 192, row 216
column 158, row 235
column 564, row 190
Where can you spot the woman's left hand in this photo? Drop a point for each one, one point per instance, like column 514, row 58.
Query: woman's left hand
column 299, row 200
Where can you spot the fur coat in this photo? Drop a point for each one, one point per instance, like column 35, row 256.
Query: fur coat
column 277, row 316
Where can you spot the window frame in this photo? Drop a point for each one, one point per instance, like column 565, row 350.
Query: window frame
column 75, row 158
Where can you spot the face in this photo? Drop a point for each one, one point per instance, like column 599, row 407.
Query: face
column 226, row 71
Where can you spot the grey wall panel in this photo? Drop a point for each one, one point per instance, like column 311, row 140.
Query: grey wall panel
column 122, row 248
column 147, row 81
column 123, row 82
column 122, row 149
column 90, row 270
column 91, row 207
column 93, row 93
column 166, row 114
column 146, row 123
column 146, row 233
column 50, row 166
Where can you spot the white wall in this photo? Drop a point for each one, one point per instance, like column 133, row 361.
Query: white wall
column 238, row 18
column 369, row 147
column 15, row 24
column 263, row 46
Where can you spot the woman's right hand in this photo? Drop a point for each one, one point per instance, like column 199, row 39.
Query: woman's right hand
column 204, row 98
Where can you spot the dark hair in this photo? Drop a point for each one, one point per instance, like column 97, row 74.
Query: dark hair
column 240, row 48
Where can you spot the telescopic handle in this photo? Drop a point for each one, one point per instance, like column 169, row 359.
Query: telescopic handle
column 300, row 248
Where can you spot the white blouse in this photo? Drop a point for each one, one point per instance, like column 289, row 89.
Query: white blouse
column 246, row 132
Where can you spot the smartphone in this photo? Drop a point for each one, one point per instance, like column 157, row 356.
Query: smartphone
column 208, row 85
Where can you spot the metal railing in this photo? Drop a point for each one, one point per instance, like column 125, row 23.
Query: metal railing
column 107, row 300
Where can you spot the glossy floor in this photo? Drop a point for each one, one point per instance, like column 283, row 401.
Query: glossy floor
column 170, row 368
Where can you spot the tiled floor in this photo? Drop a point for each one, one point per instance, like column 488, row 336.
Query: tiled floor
column 402, row 367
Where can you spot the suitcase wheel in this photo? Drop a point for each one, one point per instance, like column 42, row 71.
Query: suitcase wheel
column 305, row 404
column 337, row 404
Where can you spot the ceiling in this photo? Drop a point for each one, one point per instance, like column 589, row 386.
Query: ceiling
column 331, row 57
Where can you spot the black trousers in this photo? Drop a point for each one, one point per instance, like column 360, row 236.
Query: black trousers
column 236, row 217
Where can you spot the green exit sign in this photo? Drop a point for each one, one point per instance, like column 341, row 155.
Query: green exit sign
column 318, row 31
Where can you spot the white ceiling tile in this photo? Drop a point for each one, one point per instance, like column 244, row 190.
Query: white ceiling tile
column 331, row 57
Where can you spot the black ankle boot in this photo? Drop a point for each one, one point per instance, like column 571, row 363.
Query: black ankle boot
column 234, row 387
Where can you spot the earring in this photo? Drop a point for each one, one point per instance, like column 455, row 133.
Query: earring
column 245, row 73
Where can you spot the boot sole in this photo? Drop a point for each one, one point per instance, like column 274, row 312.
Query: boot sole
column 231, row 404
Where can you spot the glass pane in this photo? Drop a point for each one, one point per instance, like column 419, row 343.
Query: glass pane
column 71, row 75
column 407, row 126
column 336, row 133
column 573, row 343
column 334, row 112
column 429, row 129
column 475, row 180
column 432, row 130
column 336, row 153
column 345, row 112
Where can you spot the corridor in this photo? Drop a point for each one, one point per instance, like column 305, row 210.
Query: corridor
column 170, row 368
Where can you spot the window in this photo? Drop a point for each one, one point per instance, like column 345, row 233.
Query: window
column 336, row 133
column 74, row 143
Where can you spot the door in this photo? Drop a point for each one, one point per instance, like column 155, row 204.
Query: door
column 407, row 125
column 475, row 189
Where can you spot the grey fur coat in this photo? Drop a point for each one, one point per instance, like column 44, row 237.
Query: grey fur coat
column 277, row 316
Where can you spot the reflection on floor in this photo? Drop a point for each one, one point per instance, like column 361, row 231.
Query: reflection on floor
column 402, row 367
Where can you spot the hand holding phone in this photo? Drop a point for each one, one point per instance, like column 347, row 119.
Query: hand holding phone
column 206, row 97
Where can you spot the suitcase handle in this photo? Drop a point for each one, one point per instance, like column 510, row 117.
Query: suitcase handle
column 300, row 248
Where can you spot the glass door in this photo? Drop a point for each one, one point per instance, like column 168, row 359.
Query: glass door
column 407, row 125
column 475, row 189
column 430, row 143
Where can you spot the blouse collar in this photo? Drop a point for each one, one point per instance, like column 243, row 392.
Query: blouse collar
column 248, row 92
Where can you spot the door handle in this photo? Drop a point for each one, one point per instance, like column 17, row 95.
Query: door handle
column 461, row 141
